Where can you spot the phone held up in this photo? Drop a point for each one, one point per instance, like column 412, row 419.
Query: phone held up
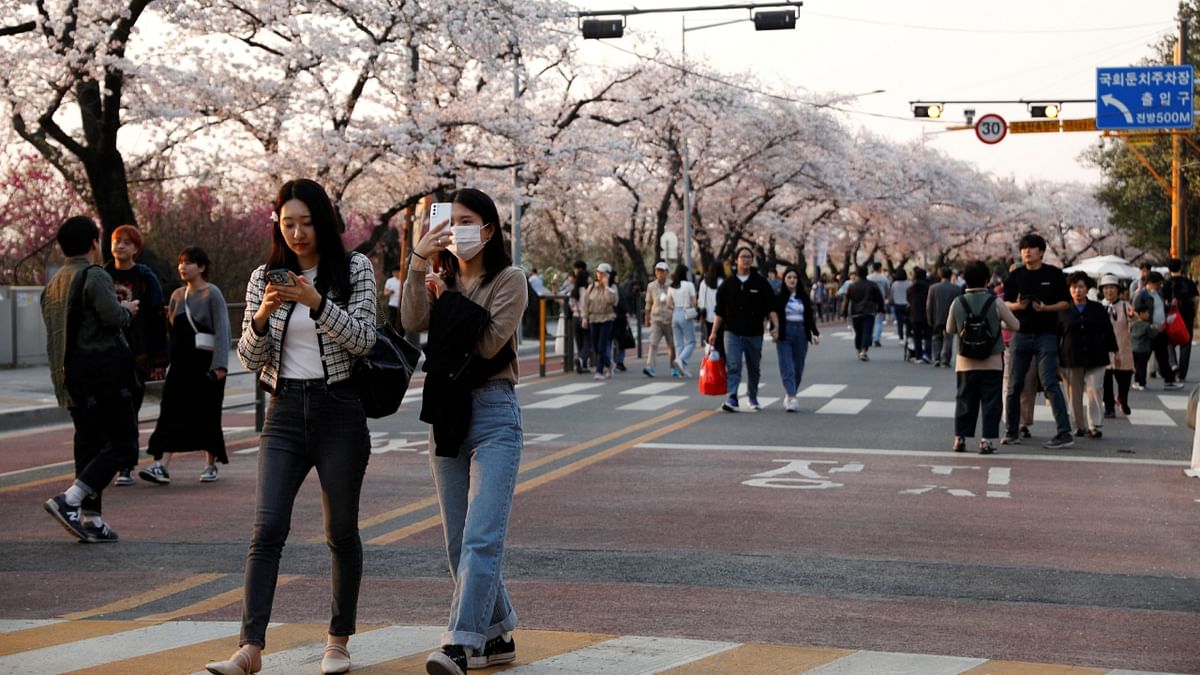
column 280, row 277
column 439, row 214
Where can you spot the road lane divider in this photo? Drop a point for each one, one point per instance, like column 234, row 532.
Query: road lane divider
column 567, row 469
column 146, row 598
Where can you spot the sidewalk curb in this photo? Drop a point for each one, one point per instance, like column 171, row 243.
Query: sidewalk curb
column 28, row 418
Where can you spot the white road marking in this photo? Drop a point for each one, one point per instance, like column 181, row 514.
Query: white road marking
column 628, row 654
column 653, row 388
column 572, row 388
column 1173, row 402
column 561, row 401
column 817, row 450
column 368, row 648
column 898, row 664
column 844, row 406
column 12, row 625
column 1150, row 418
column 744, row 389
column 652, row 403
column 937, row 409
column 908, row 393
column 820, row 391
column 98, row 651
column 1043, row 413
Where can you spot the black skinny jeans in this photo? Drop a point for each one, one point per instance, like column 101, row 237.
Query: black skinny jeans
column 308, row 425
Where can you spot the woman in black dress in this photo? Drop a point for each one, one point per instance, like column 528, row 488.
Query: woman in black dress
column 190, row 415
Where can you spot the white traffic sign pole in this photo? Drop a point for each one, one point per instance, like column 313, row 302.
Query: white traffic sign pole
column 991, row 128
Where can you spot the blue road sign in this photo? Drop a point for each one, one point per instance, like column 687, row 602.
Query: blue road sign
column 1144, row 97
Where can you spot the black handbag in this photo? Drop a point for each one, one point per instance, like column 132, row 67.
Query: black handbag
column 381, row 375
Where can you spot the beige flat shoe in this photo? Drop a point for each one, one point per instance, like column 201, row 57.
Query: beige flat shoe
column 336, row 659
column 239, row 664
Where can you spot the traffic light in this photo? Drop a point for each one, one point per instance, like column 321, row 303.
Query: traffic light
column 931, row 110
column 599, row 29
column 778, row 20
column 1049, row 110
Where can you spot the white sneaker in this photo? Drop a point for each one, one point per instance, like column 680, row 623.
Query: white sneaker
column 793, row 405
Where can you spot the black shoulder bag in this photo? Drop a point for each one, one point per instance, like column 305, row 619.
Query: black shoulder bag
column 381, row 375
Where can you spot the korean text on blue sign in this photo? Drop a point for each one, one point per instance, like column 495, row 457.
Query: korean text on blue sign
column 1148, row 97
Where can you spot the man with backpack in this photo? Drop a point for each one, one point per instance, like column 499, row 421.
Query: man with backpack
column 975, row 317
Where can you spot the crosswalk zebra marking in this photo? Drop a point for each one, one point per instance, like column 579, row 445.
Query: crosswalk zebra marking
column 571, row 388
column 561, row 401
column 652, row 403
column 820, row 391
column 1173, row 402
column 369, row 648
column 13, row 625
column 1150, row 418
column 100, row 650
column 937, row 409
column 631, row 654
column 653, row 388
column 886, row 662
column 908, row 393
column 844, row 406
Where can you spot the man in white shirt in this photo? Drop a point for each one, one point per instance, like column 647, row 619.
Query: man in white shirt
column 879, row 279
column 392, row 288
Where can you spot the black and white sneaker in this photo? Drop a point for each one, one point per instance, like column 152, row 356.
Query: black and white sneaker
column 66, row 515
column 986, row 447
column 1062, row 440
column 1010, row 440
column 99, row 535
column 123, row 477
column 451, row 660
column 496, row 652
column 155, row 473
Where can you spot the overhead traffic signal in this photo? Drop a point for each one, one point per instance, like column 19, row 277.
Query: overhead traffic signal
column 931, row 110
column 1048, row 110
column 778, row 20
column 599, row 29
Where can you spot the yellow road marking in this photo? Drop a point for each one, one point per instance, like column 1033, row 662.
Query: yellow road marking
column 566, row 452
column 145, row 598
column 58, row 634
column 566, row 470
column 1025, row 668
column 215, row 602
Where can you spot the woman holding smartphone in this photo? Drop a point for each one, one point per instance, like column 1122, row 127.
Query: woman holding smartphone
column 476, row 438
column 301, row 332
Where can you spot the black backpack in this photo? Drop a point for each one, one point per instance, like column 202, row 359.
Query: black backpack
column 975, row 337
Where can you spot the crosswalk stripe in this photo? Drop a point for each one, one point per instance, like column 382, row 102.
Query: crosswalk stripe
column 765, row 402
column 628, row 654
column 820, row 391
column 99, row 650
column 744, row 389
column 1025, row 667
column 1150, row 418
column 937, row 409
column 533, row 645
column 653, row 388
column 571, row 388
column 652, row 403
column 844, row 406
column 1173, row 402
column 48, row 634
column 366, row 649
column 561, row 401
column 188, row 658
column 147, row 597
column 757, row 658
column 908, row 393
column 898, row 664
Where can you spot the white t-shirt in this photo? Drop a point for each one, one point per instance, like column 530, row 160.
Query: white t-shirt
column 708, row 300
column 684, row 296
column 301, row 353
column 392, row 286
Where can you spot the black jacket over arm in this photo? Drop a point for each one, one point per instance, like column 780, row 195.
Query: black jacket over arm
column 453, row 368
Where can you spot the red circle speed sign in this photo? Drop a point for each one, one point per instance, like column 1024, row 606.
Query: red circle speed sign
column 991, row 128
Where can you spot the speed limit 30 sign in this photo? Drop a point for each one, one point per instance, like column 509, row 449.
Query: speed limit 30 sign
column 991, row 128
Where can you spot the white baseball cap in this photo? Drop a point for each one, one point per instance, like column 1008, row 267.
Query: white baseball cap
column 604, row 267
column 662, row 266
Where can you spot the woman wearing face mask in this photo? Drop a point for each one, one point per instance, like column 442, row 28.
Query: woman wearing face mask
column 472, row 307
column 190, row 415
column 309, row 312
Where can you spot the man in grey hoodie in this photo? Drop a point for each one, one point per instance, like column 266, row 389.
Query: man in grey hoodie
column 941, row 297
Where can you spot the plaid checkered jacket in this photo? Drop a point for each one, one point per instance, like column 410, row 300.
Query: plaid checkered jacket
column 345, row 329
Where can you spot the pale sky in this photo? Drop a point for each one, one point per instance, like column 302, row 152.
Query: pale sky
column 926, row 50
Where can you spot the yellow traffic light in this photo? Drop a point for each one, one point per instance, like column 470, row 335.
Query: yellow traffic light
column 932, row 111
column 1050, row 110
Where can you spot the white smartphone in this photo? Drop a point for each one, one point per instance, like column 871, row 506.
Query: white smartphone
column 439, row 214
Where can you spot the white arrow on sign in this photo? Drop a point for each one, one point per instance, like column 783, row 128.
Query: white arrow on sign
column 1109, row 99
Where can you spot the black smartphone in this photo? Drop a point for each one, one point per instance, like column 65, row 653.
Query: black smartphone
column 280, row 277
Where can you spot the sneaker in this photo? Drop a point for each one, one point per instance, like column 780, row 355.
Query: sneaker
column 209, row 475
column 451, row 660
column 924, row 359
column 1080, row 433
column 1094, row 433
column 793, row 404
column 621, row 367
column 675, row 372
column 496, row 652
column 937, row 364
column 754, row 405
column 1172, row 385
column 598, row 376
column 1062, row 440
column 1010, row 440
column 730, row 404
column 578, row 366
column 99, row 535
column 960, row 444
column 155, row 473
column 876, row 343
column 66, row 515
column 123, row 477
column 1025, row 432
column 1139, row 387
column 986, row 447
column 648, row 372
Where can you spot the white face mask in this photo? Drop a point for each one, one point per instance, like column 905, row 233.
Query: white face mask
column 466, row 241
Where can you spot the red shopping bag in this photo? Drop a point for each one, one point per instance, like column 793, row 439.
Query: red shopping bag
column 1177, row 330
column 712, row 374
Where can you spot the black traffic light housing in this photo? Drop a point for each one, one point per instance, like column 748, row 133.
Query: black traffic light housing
column 600, row 29
column 1048, row 110
column 776, row 20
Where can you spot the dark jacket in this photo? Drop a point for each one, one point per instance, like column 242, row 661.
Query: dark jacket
column 941, row 298
column 147, row 332
column 779, row 306
column 863, row 297
column 453, row 369
column 1087, row 337
column 744, row 306
column 918, row 293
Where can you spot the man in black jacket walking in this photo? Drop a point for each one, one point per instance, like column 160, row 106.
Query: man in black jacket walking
column 743, row 304
column 863, row 302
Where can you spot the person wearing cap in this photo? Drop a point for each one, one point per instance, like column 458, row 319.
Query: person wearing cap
column 658, row 318
column 1120, row 367
column 597, row 311
column 1087, row 341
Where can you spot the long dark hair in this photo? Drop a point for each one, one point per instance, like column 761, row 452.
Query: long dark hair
column 679, row 275
column 333, row 270
column 495, row 252
column 802, row 290
column 712, row 274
